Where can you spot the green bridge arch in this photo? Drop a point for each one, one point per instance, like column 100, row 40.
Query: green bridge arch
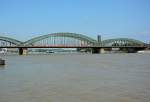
column 10, row 40
column 122, row 41
column 70, row 35
column 108, row 42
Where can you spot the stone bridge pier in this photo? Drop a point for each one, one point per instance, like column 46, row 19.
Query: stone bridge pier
column 98, row 50
column 23, row 51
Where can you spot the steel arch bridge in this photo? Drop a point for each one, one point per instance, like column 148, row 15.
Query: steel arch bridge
column 68, row 39
column 61, row 39
column 122, row 42
column 6, row 41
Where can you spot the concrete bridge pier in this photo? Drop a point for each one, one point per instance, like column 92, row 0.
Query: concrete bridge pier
column 23, row 51
column 98, row 50
column 95, row 50
column 102, row 50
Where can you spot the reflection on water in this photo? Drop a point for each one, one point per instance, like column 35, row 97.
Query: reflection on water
column 76, row 78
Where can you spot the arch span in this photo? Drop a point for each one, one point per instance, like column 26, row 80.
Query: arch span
column 122, row 42
column 79, row 37
column 10, row 40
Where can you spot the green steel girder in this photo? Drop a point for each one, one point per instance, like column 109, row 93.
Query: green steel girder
column 127, row 40
column 11, row 40
column 71, row 35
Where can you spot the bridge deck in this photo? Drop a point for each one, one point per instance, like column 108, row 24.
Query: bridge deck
column 73, row 46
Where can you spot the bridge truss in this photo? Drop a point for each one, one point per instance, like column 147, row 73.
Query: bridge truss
column 122, row 42
column 6, row 41
column 61, row 39
column 68, row 39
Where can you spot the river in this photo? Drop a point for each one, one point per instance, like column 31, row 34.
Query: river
column 75, row 78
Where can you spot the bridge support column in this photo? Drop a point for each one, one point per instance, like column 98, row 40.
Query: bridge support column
column 95, row 50
column 23, row 51
column 98, row 50
column 102, row 50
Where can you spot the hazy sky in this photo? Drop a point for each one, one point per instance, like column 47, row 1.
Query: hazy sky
column 24, row 19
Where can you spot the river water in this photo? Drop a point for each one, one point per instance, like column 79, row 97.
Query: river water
column 75, row 78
